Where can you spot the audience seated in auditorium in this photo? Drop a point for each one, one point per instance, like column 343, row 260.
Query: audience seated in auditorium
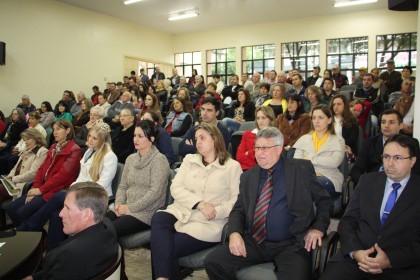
column 262, row 96
column 406, row 90
column 137, row 101
column 113, row 116
column 182, row 84
column 113, row 93
column 143, row 186
column 298, row 87
column 369, row 159
column 198, row 89
column 209, row 112
column 158, row 75
column 361, row 110
column 328, row 74
column 178, row 120
column 392, row 79
column 83, row 116
column 195, row 220
column 328, row 90
column 2, row 124
column 94, row 97
column 13, row 130
column 26, row 105
column 241, row 110
column 370, row 94
column 184, row 93
column 68, row 98
column 358, row 81
column 245, row 81
column 324, row 149
column 254, row 86
column 345, row 124
column 209, row 92
column 191, row 80
column 76, row 108
column 63, row 112
column 96, row 115
column 28, row 163
column 57, row 172
column 315, row 78
column 151, row 103
column 122, row 136
column 313, row 97
column 98, row 164
column 161, row 92
column 377, row 82
column 231, row 91
column 103, row 103
column 92, row 246
column 405, row 105
column 278, row 103
column 47, row 115
column 379, row 230
column 220, row 85
column 282, row 80
column 245, row 155
column 287, row 230
column 340, row 79
column 294, row 123
column 175, row 77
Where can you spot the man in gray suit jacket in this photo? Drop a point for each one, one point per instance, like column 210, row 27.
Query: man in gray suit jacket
column 282, row 229
column 380, row 230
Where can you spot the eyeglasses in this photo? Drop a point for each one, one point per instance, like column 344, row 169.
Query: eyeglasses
column 263, row 149
column 396, row 158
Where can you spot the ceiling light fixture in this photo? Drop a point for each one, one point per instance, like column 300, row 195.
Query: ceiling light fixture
column 183, row 15
column 338, row 4
column 127, row 2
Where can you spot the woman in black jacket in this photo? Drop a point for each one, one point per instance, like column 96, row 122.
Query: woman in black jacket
column 242, row 110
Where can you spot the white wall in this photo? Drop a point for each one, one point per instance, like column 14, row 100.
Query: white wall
column 53, row 46
column 370, row 23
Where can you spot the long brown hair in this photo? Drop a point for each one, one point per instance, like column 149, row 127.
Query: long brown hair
column 347, row 117
column 219, row 143
column 324, row 109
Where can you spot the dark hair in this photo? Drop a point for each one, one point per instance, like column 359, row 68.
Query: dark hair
column 347, row 117
column 217, row 76
column 299, row 75
column 327, row 112
column 95, row 88
column 213, row 101
column 62, row 123
column 247, row 95
column 70, row 93
column 266, row 86
column 330, row 72
column 156, row 117
column 409, row 69
column 1, row 115
column 35, row 114
column 48, row 106
column 391, row 112
column 405, row 142
column 300, row 109
column 182, row 100
column 369, row 74
column 194, row 70
column 274, row 72
column 62, row 103
column 149, row 129
column 133, row 72
column 329, row 79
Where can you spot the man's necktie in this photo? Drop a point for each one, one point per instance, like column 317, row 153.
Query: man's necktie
column 260, row 215
column 390, row 202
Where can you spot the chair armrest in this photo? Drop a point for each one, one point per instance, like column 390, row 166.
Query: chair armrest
column 111, row 199
column 328, row 249
column 26, row 188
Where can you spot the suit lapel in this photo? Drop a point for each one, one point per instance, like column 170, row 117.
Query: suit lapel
column 409, row 196
column 290, row 174
column 376, row 199
column 253, row 183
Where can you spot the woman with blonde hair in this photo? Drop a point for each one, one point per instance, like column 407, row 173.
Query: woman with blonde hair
column 278, row 103
column 29, row 161
column 98, row 164
column 204, row 191
column 313, row 96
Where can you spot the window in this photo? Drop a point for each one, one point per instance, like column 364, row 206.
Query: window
column 222, row 62
column 400, row 47
column 186, row 62
column 348, row 53
column 257, row 58
column 149, row 67
column 300, row 55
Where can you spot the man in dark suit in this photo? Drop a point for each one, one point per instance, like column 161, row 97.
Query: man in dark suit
column 278, row 225
column 232, row 89
column 92, row 246
column 380, row 230
column 369, row 157
column 158, row 75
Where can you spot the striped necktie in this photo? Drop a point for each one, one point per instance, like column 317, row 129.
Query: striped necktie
column 260, row 215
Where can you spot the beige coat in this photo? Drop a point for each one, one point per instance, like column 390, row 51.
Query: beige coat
column 328, row 158
column 31, row 161
column 214, row 183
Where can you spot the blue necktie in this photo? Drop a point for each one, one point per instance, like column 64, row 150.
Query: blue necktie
column 390, row 202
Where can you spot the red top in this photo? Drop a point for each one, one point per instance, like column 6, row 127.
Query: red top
column 245, row 154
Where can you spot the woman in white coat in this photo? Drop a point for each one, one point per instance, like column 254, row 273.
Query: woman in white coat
column 324, row 149
column 99, row 164
column 30, row 159
column 204, row 191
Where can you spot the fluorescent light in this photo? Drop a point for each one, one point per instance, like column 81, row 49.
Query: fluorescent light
column 183, row 15
column 127, row 2
column 354, row 2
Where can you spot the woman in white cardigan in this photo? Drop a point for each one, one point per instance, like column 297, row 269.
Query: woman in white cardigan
column 204, row 191
column 99, row 164
column 324, row 149
column 30, row 159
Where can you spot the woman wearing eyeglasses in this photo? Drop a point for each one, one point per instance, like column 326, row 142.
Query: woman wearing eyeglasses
column 324, row 149
column 204, row 191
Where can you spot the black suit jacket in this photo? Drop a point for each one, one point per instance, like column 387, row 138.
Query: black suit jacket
column 369, row 158
column 227, row 91
column 360, row 227
column 81, row 256
column 302, row 190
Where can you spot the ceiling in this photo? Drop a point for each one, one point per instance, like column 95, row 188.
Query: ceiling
column 216, row 13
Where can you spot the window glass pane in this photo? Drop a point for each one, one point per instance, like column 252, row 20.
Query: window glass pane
column 247, row 67
column 221, row 55
column 196, row 57
column 346, row 62
column 178, row 58
column 258, row 66
column 188, row 71
column 198, row 68
column 400, row 47
column 269, row 51
column 247, row 53
column 231, row 54
column 401, row 59
column 312, row 62
column 286, row 50
column 258, row 52
column 187, row 58
column 414, row 41
column 221, row 68
column 286, row 64
column 345, row 46
column 300, row 48
column 211, row 56
column 312, row 48
column 360, row 60
column 413, row 59
column 268, row 65
column 211, row 69
column 231, row 68
column 333, row 46
column 180, row 70
column 331, row 61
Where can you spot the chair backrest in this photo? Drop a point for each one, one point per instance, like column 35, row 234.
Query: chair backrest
column 348, row 88
column 169, row 198
column 175, row 147
column 347, row 94
column 48, row 137
column 117, row 178
column 113, row 271
column 247, row 126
